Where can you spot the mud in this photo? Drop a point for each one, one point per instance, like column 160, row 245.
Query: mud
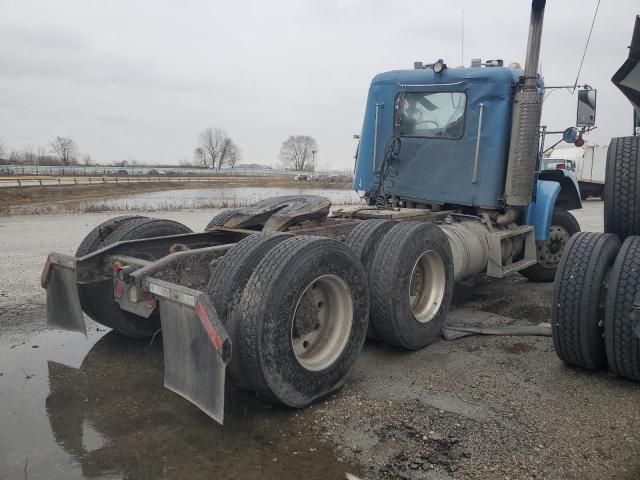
column 478, row 407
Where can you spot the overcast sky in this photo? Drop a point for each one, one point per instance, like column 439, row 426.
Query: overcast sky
column 140, row 79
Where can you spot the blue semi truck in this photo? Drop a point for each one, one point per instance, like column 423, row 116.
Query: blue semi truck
column 280, row 296
column 457, row 139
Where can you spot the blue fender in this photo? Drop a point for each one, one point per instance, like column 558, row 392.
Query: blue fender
column 540, row 211
column 569, row 196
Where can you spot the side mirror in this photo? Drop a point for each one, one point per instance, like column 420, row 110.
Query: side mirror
column 586, row 116
column 570, row 135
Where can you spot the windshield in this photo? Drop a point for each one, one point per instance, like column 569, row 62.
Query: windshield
column 434, row 115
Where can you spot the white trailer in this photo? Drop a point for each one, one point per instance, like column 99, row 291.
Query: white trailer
column 588, row 164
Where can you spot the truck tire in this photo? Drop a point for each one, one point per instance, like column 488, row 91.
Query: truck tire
column 228, row 280
column 622, row 187
column 303, row 320
column 623, row 347
column 579, row 294
column 563, row 226
column 221, row 218
column 92, row 242
column 411, row 284
column 108, row 312
column 364, row 240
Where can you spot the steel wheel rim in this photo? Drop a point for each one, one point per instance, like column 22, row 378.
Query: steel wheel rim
column 426, row 286
column 322, row 322
column 550, row 251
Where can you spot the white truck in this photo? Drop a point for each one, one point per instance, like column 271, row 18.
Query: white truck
column 588, row 163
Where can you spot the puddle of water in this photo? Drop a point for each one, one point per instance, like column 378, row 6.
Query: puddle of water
column 216, row 198
column 74, row 409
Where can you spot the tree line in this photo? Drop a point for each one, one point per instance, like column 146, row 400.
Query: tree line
column 61, row 151
column 215, row 149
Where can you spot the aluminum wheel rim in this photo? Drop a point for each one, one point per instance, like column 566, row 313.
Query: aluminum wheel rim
column 427, row 285
column 322, row 322
column 550, row 251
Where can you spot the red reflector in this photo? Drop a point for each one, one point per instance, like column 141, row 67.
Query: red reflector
column 206, row 323
column 118, row 288
column 150, row 302
column 44, row 278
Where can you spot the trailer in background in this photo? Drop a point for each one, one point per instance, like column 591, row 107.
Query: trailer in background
column 588, row 164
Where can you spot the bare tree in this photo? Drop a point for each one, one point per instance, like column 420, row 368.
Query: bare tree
column 216, row 149
column 87, row 160
column 3, row 151
column 200, row 157
column 234, row 155
column 65, row 149
column 212, row 141
column 298, row 153
column 15, row 157
column 28, row 155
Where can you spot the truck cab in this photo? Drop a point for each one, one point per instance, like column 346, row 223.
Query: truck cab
column 450, row 132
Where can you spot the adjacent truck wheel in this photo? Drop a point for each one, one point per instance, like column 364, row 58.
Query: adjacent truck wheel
column 622, row 345
column 411, row 284
column 228, row 280
column 92, row 242
column 622, row 187
column 106, row 309
column 220, row 219
column 563, row 226
column 364, row 240
column 303, row 320
column 579, row 294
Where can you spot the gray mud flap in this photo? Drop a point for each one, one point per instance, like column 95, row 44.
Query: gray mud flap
column 196, row 346
column 63, row 303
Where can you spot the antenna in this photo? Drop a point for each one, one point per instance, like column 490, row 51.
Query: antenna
column 462, row 43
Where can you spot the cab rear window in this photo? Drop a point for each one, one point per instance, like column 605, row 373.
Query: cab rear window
column 431, row 115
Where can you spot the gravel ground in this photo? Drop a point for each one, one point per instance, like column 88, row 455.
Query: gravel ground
column 478, row 407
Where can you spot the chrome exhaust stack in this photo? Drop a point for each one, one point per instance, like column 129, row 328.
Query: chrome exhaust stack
column 525, row 123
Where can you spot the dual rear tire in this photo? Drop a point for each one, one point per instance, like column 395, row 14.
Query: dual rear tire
column 96, row 299
column 409, row 266
column 296, row 309
column 595, row 298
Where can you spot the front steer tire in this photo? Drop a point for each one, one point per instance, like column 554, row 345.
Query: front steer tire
column 622, row 345
column 579, row 291
column 278, row 306
column 413, row 257
column 563, row 226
